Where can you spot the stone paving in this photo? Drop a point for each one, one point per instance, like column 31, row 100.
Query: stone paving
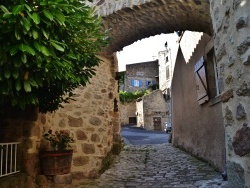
column 157, row 166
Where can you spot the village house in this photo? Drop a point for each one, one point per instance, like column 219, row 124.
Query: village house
column 196, row 105
column 205, row 124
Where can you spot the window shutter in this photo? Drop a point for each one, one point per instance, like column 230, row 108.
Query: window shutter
column 132, row 82
column 201, row 81
column 140, row 83
column 153, row 82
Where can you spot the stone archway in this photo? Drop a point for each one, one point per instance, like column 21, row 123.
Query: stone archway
column 130, row 21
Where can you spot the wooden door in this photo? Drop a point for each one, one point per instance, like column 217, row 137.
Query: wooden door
column 157, row 123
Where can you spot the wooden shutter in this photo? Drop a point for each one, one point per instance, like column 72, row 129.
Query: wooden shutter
column 132, row 82
column 201, row 81
column 140, row 83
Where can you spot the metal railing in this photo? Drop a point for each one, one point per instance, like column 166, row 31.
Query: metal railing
column 8, row 158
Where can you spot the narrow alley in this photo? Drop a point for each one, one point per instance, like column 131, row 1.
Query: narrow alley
column 157, row 166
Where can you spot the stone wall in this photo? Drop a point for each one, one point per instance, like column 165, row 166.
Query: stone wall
column 93, row 119
column 25, row 127
column 145, row 71
column 231, row 24
column 153, row 105
column 127, row 110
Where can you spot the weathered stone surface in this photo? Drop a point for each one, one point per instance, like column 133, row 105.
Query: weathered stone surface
column 227, row 95
column 42, row 181
column 80, row 135
column 31, row 182
column 241, row 22
column 75, row 122
column 62, row 115
column 104, row 91
column 241, row 141
column 221, row 51
column 100, row 112
column 111, row 95
column 43, row 118
column 243, row 47
column 80, row 160
column 93, row 174
column 87, row 95
column 78, row 113
column 235, row 175
column 244, row 89
column 88, row 148
column 78, row 175
column 229, row 116
column 246, row 60
column 31, row 130
column 95, row 138
column 62, row 123
column 97, row 96
column 229, row 79
column 236, row 3
column 63, row 179
column 95, row 121
column 231, row 61
column 240, row 113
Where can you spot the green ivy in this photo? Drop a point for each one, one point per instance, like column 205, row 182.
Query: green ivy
column 126, row 96
column 47, row 49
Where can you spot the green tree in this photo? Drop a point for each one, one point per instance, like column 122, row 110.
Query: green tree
column 47, row 49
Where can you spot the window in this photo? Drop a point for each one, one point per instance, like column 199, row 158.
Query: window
column 206, row 76
column 166, row 59
column 212, row 75
column 148, row 83
column 167, row 72
column 136, row 83
column 201, row 81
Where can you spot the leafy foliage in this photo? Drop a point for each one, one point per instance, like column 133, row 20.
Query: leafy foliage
column 126, row 96
column 47, row 49
column 60, row 140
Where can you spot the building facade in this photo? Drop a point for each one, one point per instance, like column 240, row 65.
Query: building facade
column 197, row 113
column 141, row 76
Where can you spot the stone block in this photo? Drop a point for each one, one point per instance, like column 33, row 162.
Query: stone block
column 244, row 46
column 95, row 121
column 244, row 89
column 31, row 164
column 78, row 175
column 241, row 22
column 75, row 122
column 95, row 138
column 235, row 175
column 42, row 181
column 240, row 113
column 241, row 141
column 80, row 160
column 88, row 148
column 63, row 179
column 80, row 135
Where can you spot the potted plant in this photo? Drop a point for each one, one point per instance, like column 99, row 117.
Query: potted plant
column 58, row 159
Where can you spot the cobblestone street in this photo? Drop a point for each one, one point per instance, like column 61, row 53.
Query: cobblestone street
column 157, row 166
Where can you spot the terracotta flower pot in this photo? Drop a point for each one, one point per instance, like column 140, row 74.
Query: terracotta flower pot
column 56, row 162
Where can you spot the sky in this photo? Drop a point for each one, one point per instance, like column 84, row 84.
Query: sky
column 144, row 50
